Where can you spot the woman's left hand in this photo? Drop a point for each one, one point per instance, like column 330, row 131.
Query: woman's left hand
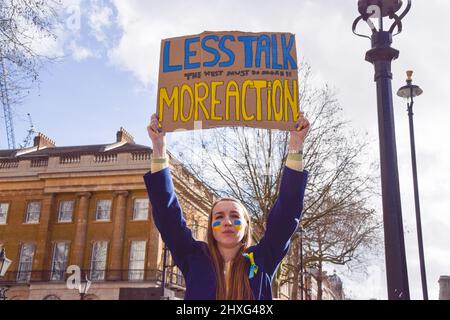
column 297, row 136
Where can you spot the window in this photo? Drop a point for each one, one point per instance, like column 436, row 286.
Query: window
column 195, row 229
column 3, row 212
column 98, row 260
column 65, row 211
column 59, row 262
column 103, row 212
column 140, row 211
column 178, row 277
column 33, row 212
column 26, row 262
column 137, row 260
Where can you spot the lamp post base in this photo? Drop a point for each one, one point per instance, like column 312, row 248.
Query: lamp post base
column 3, row 293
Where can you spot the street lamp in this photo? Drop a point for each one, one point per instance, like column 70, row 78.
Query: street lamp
column 163, row 280
column 4, row 265
column 83, row 288
column 302, row 232
column 409, row 92
column 381, row 56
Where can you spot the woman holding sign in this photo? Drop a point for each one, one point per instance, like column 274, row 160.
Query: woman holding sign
column 228, row 266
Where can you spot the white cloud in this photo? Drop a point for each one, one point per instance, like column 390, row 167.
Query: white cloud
column 100, row 17
column 80, row 53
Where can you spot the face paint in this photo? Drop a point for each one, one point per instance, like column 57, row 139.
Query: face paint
column 237, row 224
column 216, row 225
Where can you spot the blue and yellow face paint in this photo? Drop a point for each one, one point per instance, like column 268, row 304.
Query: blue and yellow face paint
column 216, row 225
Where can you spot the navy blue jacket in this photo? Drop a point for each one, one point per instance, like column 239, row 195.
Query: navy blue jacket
column 192, row 257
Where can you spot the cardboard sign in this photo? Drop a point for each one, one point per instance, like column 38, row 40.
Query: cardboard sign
column 218, row 79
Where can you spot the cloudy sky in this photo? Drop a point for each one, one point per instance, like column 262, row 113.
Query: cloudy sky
column 107, row 79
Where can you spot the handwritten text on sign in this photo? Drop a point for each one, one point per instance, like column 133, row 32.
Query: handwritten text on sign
column 228, row 79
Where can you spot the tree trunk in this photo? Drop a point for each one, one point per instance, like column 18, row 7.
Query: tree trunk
column 295, row 262
column 275, row 290
column 319, row 283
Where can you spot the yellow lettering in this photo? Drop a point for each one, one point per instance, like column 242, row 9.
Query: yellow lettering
column 199, row 100
column 259, row 84
column 247, row 83
column 269, row 102
column 215, row 101
column 164, row 99
column 185, row 88
column 291, row 100
column 229, row 94
column 187, row 103
column 278, row 110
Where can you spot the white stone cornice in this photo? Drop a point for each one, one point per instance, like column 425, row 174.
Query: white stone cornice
column 115, row 145
column 28, row 150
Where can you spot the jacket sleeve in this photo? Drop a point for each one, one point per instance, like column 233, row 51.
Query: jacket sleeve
column 168, row 217
column 283, row 219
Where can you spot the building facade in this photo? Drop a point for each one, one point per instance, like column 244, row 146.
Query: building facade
column 444, row 288
column 332, row 287
column 87, row 207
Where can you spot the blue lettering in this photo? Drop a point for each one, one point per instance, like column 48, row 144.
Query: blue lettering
column 287, row 52
column 226, row 51
column 211, row 50
column 263, row 45
column 248, row 40
column 188, row 53
column 275, row 64
column 166, row 65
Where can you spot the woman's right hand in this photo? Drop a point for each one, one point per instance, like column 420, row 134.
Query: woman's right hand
column 157, row 136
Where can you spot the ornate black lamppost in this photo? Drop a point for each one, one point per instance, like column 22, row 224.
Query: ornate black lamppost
column 381, row 56
column 163, row 280
column 4, row 265
column 409, row 92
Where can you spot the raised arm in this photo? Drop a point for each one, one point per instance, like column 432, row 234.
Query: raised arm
column 285, row 215
column 167, row 212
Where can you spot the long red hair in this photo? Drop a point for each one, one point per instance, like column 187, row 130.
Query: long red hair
column 239, row 285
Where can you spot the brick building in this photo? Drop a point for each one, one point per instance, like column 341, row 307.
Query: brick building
column 87, row 206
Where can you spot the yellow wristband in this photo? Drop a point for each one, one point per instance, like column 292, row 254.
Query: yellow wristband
column 295, row 156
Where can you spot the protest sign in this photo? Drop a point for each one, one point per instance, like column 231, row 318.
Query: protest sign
column 218, row 79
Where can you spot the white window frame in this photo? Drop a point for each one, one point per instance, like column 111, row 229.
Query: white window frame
column 136, row 264
column 4, row 208
column 179, row 277
column 62, row 210
column 59, row 266
column 137, row 209
column 29, row 212
column 26, row 267
column 194, row 229
column 98, row 267
column 97, row 209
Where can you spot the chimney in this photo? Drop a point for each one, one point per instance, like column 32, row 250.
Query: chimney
column 41, row 140
column 123, row 135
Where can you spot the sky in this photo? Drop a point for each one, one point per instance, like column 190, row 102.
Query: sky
column 106, row 78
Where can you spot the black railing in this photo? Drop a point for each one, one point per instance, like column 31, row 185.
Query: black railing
column 129, row 275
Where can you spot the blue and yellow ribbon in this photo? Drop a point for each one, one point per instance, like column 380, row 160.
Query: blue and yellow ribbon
column 253, row 266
